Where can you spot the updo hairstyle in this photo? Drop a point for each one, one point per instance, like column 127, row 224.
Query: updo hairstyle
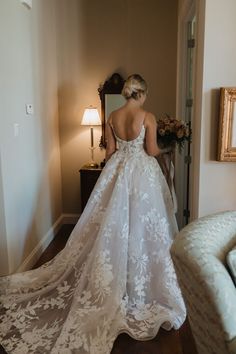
column 134, row 86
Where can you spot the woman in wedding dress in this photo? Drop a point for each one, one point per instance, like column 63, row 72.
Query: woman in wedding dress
column 115, row 273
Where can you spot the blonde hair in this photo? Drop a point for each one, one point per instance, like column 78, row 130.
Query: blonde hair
column 134, row 86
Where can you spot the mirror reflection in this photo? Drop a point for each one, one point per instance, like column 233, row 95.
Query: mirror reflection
column 112, row 102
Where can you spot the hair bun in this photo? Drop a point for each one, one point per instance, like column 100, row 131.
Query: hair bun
column 134, row 86
column 127, row 91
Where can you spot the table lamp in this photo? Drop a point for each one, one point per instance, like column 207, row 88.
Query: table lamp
column 91, row 118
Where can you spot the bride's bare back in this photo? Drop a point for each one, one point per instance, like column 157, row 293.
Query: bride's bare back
column 127, row 122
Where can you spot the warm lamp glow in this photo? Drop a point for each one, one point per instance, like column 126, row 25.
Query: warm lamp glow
column 91, row 117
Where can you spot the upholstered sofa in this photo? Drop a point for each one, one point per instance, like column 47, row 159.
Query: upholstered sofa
column 199, row 253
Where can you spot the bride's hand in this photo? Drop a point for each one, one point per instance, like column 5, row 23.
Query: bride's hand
column 166, row 150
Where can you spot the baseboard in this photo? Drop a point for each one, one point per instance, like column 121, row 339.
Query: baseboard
column 70, row 218
column 45, row 241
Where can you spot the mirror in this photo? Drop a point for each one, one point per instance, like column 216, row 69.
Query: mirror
column 112, row 102
column 111, row 99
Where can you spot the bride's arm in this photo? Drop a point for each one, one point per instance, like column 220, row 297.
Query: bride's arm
column 110, row 140
column 151, row 146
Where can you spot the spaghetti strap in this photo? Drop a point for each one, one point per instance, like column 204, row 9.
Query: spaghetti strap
column 144, row 118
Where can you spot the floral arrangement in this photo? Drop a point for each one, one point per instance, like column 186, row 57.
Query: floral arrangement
column 172, row 132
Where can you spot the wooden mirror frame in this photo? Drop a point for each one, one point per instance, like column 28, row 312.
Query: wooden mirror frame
column 227, row 123
column 113, row 85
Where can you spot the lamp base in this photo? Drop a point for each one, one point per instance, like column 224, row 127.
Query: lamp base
column 91, row 164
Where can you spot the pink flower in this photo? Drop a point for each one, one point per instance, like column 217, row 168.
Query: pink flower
column 162, row 132
column 180, row 133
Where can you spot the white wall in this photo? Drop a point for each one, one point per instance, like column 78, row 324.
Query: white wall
column 217, row 188
column 30, row 163
column 96, row 39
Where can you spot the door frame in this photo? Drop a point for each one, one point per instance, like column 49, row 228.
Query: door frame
column 186, row 12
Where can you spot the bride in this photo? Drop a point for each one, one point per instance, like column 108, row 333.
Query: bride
column 115, row 273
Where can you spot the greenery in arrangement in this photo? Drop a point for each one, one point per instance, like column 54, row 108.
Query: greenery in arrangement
column 172, row 132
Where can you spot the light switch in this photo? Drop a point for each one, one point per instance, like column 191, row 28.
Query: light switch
column 29, row 108
column 16, row 129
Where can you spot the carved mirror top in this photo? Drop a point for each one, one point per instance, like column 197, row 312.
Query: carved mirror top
column 111, row 86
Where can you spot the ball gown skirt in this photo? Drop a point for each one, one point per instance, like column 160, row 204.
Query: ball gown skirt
column 114, row 275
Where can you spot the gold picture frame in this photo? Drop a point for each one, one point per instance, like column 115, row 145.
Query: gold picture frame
column 227, row 125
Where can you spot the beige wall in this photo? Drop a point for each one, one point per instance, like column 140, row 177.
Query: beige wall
column 216, row 68
column 95, row 39
column 30, row 163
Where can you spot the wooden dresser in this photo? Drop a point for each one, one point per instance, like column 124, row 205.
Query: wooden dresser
column 88, row 179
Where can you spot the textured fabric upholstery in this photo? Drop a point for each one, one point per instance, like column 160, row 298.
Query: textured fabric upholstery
column 199, row 255
column 231, row 261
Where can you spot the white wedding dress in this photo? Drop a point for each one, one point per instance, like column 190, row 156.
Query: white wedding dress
column 114, row 275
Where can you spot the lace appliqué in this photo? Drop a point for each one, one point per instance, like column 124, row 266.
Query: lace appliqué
column 115, row 273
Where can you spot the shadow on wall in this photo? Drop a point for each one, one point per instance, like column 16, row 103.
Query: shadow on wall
column 35, row 239
column 37, row 201
column 69, row 99
column 214, row 123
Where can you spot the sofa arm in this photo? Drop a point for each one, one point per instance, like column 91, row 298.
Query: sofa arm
column 198, row 254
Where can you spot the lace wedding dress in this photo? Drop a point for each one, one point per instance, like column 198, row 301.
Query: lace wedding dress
column 114, row 275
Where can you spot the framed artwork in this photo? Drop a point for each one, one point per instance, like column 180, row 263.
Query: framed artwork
column 227, row 125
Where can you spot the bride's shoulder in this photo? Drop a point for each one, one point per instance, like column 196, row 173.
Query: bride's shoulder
column 149, row 118
column 117, row 112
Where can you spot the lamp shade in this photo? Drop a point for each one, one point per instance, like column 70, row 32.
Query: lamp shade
column 91, row 117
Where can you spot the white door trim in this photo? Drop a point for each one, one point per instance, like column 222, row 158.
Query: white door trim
column 187, row 11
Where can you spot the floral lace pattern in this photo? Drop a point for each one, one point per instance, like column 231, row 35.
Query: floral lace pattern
column 114, row 275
